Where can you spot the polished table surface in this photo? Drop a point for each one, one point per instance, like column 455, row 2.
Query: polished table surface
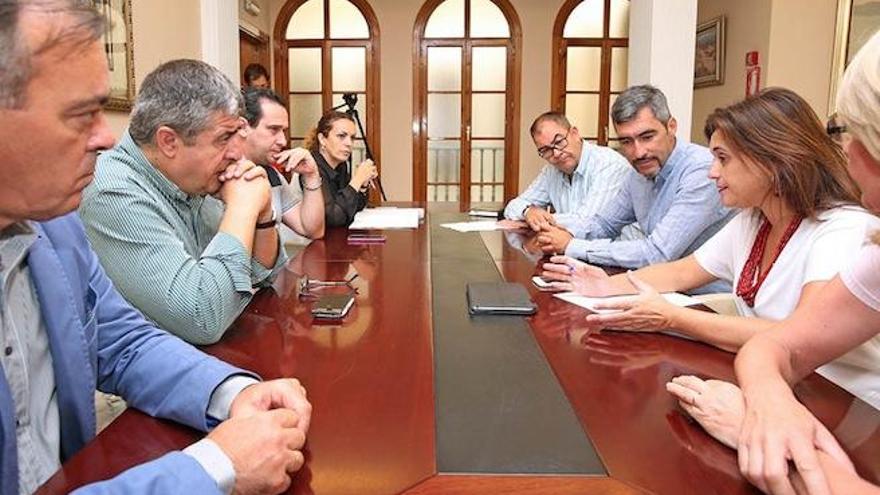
column 412, row 396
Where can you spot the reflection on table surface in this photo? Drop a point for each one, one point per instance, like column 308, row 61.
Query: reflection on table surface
column 370, row 380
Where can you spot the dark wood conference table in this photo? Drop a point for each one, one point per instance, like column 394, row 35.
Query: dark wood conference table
column 411, row 395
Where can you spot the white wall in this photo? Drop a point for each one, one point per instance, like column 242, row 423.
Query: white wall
column 801, row 52
column 219, row 34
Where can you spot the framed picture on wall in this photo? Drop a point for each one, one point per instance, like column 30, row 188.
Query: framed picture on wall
column 857, row 20
column 709, row 55
column 118, row 47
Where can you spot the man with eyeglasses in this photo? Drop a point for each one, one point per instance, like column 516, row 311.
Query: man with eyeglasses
column 184, row 227
column 578, row 180
column 667, row 192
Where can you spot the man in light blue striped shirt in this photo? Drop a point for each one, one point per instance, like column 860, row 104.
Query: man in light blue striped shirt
column 185, row 234
column 668, row 192
column 578, row 180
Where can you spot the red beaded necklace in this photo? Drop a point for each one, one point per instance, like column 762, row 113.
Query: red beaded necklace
column 749, row 280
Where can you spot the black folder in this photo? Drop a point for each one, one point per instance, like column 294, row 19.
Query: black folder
column 499, row 298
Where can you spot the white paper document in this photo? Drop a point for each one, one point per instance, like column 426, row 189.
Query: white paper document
column 483, row 213
column 387, row 218
column 420, row 211
column 478, row 226
column 675, row 298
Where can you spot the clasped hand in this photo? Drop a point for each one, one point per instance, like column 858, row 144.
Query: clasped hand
column 539, row 219
column 246, row 186
column 265, row 434
column 553, row 239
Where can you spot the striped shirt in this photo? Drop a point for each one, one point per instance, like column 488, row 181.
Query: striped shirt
column 678, row 210
column 599, row 175
column 27, row 363
column 162, row 248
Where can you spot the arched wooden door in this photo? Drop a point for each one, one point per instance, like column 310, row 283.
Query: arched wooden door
column 466, row 108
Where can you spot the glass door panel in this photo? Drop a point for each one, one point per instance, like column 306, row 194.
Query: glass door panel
column 444, row 116
column 349, row 69
column 583, row 68
column 444, row 165
column 619, row 61
column 491, row 68
column 447, row 21
column 488, row 115
column 307, row 22
column 346, row 21
column 487, row 20
column 487, row 171
column 583, row 112
column 304, row 69
column 305, row 111
column 619, row 19
column 444, row 68
column 586, row 20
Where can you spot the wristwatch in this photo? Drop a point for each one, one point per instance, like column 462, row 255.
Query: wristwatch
column 269, row 224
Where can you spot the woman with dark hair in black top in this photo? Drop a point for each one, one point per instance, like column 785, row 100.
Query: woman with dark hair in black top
column 331, row 144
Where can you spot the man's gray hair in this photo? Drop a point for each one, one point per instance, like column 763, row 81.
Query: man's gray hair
column 16, row 58
column 184, row 95
column 634, row 99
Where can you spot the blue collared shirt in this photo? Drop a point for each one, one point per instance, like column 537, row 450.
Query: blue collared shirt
column 678, row 210
column 28, row 369
column 599, row 175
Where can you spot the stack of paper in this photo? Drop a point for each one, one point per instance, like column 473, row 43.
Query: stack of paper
column 387, row 218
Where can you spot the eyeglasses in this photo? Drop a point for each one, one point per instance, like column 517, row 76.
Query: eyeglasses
column 559, row 143
column 309, row 287
column 836, row 131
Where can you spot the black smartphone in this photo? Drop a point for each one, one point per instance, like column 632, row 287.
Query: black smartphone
column 333, row 306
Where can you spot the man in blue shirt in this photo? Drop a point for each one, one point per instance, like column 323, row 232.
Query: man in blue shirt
column 667, row 191
column 65, row 330
column 578, row 180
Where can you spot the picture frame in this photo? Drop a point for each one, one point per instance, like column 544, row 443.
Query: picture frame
column 856, row 21
column 119, row 48
column 709, row 53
